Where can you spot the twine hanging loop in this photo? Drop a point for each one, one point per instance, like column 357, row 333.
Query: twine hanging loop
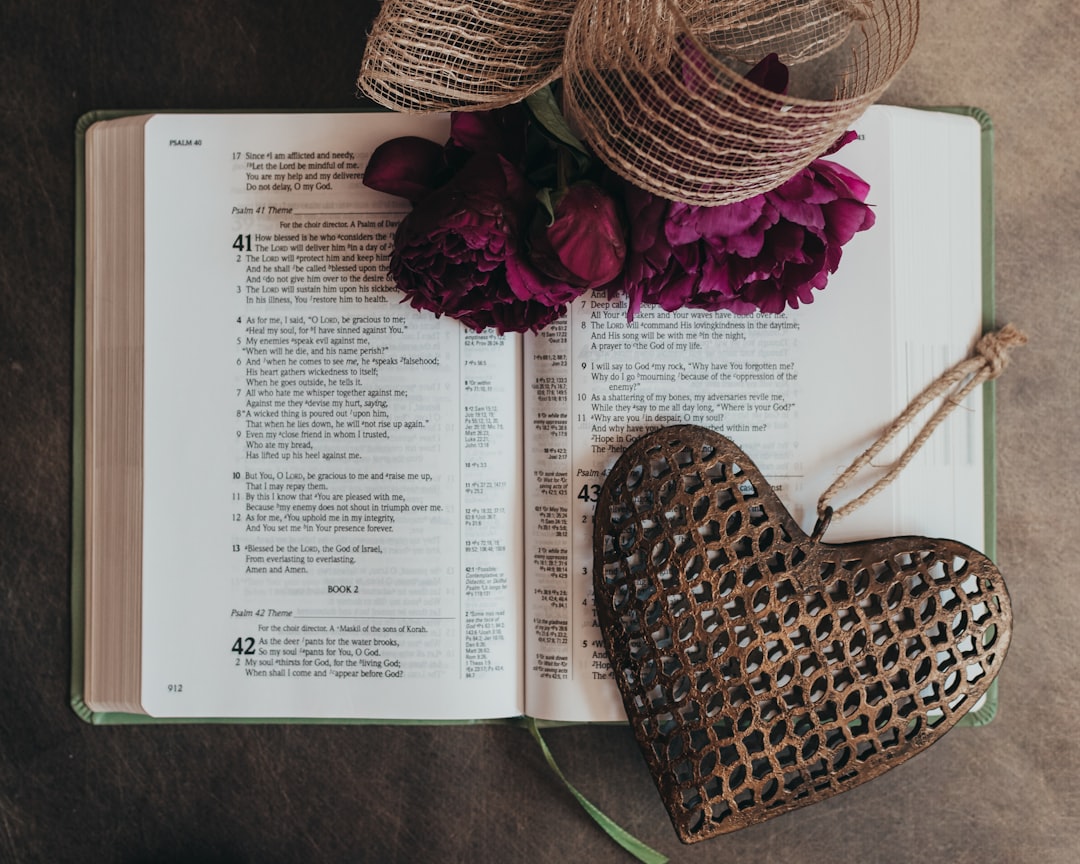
column 987, row 361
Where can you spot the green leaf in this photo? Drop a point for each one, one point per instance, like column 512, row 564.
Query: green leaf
column 546, row 111
column 643, row 853
column 544, row 197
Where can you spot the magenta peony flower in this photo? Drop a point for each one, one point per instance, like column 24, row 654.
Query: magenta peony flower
column 765, row 253
column 454, row 252
column 462, row 251
column 585, row 244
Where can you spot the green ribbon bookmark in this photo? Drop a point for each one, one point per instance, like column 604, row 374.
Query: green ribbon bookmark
column 645, row 854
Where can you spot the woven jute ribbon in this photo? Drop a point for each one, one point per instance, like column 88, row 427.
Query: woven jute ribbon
column 987, row 361
column 655, row 87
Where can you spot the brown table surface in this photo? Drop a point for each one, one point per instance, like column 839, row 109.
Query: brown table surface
column 68, row 791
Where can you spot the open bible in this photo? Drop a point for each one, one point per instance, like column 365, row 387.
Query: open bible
column 297, row 497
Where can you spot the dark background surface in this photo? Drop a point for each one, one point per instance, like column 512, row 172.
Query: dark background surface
column 69, row 791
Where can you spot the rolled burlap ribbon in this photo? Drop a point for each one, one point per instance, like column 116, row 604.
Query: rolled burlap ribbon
column 430, row 55
column 655, row 87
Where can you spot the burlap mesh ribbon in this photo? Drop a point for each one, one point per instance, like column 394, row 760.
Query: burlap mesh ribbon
column 654, row 86
column 433, row 55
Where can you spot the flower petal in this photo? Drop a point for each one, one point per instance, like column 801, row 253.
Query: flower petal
column 801, row 212
column 844, row 217
column 406, row 167
column 843, row 180
column 843, row 140
column 528, row 283
column 770, row 74
column 688, row 222
column 478, row 131
column 501, row 131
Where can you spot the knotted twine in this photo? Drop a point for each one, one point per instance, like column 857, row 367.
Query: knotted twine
column 986, row 362
column 655, row 87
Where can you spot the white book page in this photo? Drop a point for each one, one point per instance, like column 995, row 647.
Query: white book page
column 803, row 393
column 332, row 527
column 941, row 326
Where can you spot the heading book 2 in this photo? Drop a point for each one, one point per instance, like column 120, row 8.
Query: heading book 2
column 298, row 498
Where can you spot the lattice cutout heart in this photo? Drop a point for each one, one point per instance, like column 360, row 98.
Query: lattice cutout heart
column 761, row 669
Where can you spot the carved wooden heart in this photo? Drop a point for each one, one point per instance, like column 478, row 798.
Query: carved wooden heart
column 763, row 670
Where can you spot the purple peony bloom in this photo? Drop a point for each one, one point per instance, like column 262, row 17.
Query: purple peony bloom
column 462, row 251
column 763, row 254
column 452, row 252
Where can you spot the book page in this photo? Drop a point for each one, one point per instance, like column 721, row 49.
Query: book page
column 803, row 393
column 331, row 523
